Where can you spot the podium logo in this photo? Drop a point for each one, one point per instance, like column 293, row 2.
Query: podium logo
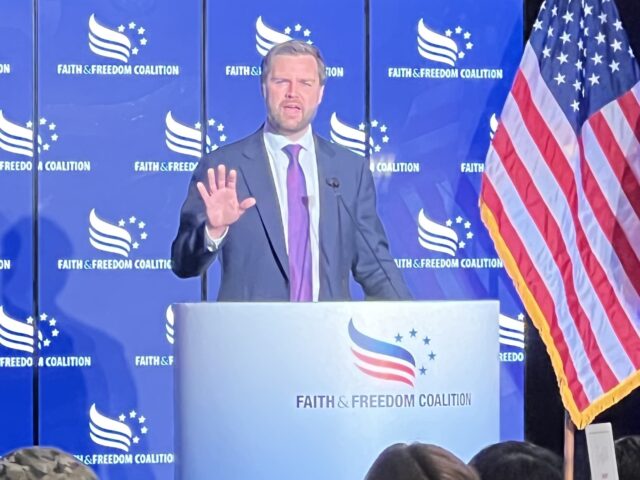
column 443, row 48
column 447, row 238
column 390, row 360
column 267, row 37
column 121, row 433
column 118, row 239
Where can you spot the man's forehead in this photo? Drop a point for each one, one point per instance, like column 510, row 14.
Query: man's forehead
column 287, row 60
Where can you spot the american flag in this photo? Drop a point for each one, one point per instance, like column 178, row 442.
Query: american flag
column 561, row 199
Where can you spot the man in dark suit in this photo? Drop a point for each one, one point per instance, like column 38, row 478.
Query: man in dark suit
column 308, row 211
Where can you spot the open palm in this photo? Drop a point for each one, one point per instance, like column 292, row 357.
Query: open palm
column 221, row 200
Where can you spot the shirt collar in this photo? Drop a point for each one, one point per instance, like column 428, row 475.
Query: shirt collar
column 276, row 142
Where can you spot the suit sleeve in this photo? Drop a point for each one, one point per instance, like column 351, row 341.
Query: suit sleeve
column 190, row 256
column 378, row 274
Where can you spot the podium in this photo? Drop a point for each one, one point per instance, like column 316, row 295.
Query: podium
column 318, row 390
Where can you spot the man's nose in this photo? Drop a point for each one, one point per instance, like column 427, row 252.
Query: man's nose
column 292, row 90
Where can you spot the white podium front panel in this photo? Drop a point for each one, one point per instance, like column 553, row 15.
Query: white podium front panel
column 317, row 391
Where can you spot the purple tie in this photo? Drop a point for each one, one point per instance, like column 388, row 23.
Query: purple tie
column 298, row 229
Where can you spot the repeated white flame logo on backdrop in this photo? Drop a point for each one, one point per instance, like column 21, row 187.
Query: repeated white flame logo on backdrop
column 120, row 239
column 441, row 48
column 15, row 138
column 114, row 43
column 170, row 333
column 355, row 138
column 443, row 238
column 116, row 433
column 267, row 37
column 186, row 140
column 512, row 331
column 18, row 335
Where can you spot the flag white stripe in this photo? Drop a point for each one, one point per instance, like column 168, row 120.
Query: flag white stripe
column 624, row 135
column 537, row 250
column 558, row 207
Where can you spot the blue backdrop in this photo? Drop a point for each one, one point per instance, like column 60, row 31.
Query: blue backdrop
column 127, row 94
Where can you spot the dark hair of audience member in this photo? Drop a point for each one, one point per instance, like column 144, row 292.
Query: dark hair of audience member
column 517, row 460
column 33, row 463
column 628, row 457
column 419, row 461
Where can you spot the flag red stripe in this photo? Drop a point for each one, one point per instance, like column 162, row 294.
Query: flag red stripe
column 554, row 240
column 631, row 110
column 609, row 224
column 616, row 158
column 383, row 363
column 385, row 376
column 558, row 164
column 537, row 288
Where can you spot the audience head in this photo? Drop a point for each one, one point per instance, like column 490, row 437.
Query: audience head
column 517, row 460
column 419, row 461
column 628, row 457
column 44, row 464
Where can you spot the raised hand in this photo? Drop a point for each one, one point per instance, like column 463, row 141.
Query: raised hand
column 221, row 200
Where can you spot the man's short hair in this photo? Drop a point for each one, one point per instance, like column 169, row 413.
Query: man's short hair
column 43, row 462
column 517, row 460
column 419, row 461
column 628, row 457
column 295, row 48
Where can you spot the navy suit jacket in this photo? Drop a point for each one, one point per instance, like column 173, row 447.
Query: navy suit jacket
column 253, row 255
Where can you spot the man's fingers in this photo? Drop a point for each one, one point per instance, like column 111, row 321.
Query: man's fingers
column 204, row 193
column 247, row 203
column 231, row 179
column 212, row 180
column 221, row 176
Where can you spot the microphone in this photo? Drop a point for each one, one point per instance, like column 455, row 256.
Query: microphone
column 334, row 183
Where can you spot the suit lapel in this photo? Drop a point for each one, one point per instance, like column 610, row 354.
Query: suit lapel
column 260, row 184
column 330, row 254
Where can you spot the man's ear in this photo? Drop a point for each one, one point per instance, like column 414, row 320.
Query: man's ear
column 263, row 89
column 321, row 94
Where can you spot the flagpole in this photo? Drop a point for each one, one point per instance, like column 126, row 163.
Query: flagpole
column 569, row 446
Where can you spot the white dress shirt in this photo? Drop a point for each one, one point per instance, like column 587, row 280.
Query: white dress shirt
column 279, row 162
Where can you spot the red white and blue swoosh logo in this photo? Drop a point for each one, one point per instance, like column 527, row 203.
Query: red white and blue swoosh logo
column 382, row 360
